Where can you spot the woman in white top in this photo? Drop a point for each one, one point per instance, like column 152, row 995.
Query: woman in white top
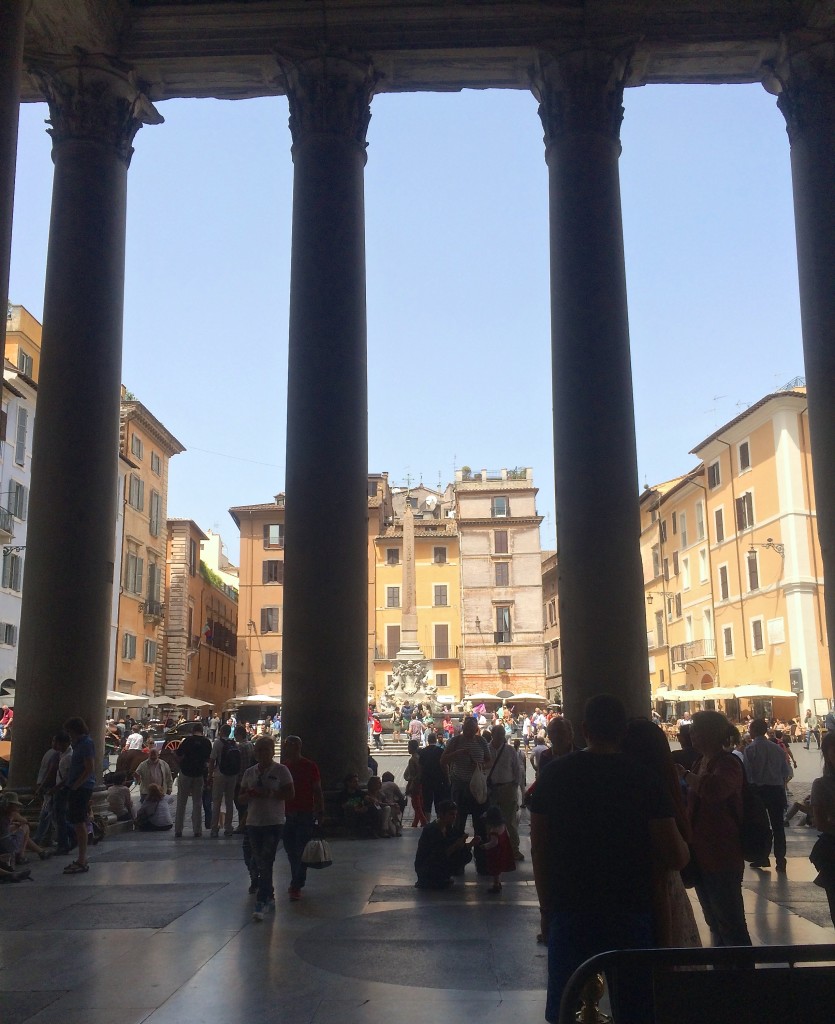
column 155, row 813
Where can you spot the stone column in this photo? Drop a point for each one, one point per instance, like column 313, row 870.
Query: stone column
column 598, row 524
column 11, row 69
column 96, row 109
column 326, row 560
column 804, row 79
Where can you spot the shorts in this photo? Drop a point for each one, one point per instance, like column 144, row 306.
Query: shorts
column 78, row 805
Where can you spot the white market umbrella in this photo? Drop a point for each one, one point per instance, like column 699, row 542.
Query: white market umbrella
column 716, row 693
column 128, row 700
column 760, row 690
column 528, row 696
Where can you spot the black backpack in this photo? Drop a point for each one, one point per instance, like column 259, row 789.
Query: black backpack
column 829, row 722
column 230, row 758
column 755, row 828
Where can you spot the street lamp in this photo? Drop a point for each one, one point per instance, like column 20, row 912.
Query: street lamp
column 769, row 543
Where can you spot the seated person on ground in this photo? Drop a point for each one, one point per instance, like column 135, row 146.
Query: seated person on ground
column 392, row 795
column 442, row 850
column 155, row 813
column 358, row 813
column 118, row 798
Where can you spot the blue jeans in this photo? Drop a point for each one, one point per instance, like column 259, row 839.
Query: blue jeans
column 575, row 936
column 298, row 830
column 263, row 842
column 720, row 896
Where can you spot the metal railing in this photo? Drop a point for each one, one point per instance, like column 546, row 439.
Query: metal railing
column 732, row 993
column 693, row 650
column 6, row 522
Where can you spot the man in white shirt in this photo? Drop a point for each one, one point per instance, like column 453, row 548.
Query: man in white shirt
column 135, row 741
column 264, row 788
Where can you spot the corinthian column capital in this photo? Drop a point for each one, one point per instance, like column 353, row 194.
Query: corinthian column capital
column 96, row 99
column 802, row 77
column 329, row 94
column 581, row 90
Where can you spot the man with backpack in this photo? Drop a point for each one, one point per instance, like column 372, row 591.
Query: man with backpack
column 224, row 769
column 192, row 756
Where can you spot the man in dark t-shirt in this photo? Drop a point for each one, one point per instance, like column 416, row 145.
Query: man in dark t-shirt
column 599, row 822
column 193, row 757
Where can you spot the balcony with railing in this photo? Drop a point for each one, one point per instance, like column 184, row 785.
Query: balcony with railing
column 6, row 523
column 694, row 650
column 153, row 610
column 502, row 636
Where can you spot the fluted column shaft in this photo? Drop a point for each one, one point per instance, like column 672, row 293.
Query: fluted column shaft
column 326, row 563
column 69, row 569
column 598, row 525
column 11, row 69
column 805, row 81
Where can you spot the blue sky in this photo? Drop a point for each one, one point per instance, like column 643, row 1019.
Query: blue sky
column 458, row 304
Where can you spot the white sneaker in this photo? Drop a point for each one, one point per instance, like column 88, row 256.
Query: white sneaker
column 258, row 913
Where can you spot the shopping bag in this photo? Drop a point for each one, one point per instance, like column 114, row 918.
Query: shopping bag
column 317, row 854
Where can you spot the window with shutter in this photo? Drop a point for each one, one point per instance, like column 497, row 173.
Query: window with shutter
column 440, row 595
column 441, row 640
column 502, row 574
column 20, row 440
column 272, row 570
column 745, row 511
column 500, row 542
column 154, row 514
column 269, row 619
column 392, row 641
column 719, row 521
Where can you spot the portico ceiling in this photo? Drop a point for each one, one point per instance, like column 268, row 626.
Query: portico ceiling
column 226, row 49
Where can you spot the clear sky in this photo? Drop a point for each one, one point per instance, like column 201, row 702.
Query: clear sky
column 458, row 303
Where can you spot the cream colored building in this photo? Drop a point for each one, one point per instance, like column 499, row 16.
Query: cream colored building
column 732, row 567
column 501, row 581
column 147, row 446
column 261, row 598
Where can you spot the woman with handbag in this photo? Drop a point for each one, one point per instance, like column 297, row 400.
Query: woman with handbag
column 464, row 755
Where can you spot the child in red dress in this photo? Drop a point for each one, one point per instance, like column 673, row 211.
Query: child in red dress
column 497, row 846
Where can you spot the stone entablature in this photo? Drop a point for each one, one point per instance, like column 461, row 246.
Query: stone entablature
column 227, row 50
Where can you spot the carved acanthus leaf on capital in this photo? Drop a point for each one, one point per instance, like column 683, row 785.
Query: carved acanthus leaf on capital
column 329, row 94
column 94, row 98
column 581, row 90
column 803, row 79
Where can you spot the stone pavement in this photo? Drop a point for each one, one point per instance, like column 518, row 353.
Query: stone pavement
column 161, row 931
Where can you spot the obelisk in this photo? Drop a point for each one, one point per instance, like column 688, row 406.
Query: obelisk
column 409, row 646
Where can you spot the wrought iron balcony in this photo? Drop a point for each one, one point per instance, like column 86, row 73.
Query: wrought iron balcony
column 502, row 637
column 153, row 609
column 694, row 650
column 6, row 522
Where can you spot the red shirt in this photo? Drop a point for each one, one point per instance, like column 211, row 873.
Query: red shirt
column 305, row 776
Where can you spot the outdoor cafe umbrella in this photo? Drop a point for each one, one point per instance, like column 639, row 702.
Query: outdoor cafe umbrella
column 529, row 696
column 482, row 696
column 160, row 702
